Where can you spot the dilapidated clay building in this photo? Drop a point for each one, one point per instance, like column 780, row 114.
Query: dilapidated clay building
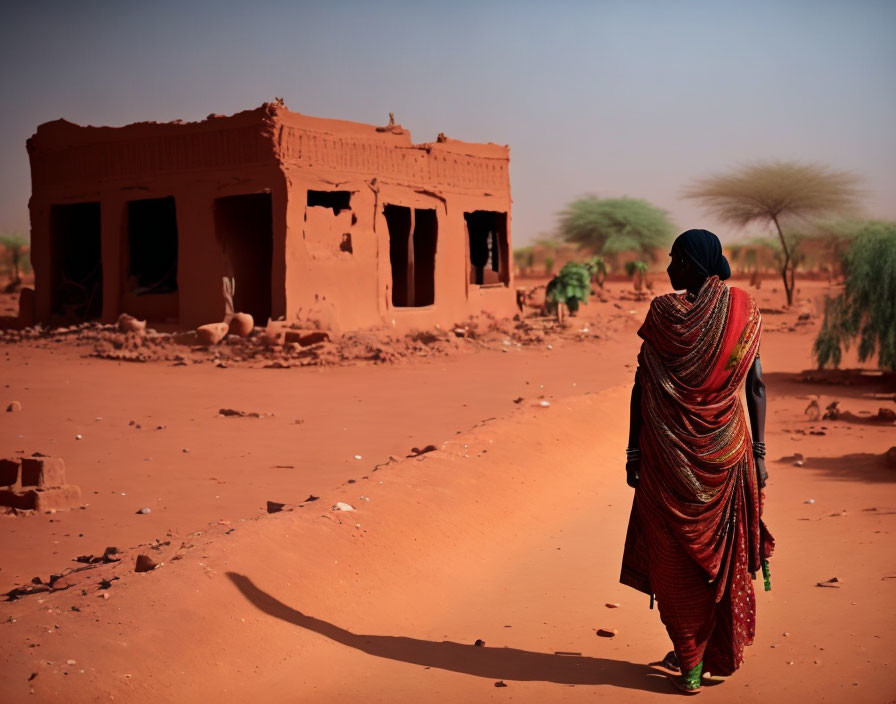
column 342, row 224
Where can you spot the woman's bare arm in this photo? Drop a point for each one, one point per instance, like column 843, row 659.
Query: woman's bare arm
column 755, row 391
column 633, row 463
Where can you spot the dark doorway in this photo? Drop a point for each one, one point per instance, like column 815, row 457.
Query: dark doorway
column 244, row 227
column 489, row 256
column 413, row 234
column 76, row 260
column 152, row 246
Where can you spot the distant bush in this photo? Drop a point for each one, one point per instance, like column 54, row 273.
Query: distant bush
column 15, row 260
column 597, row 268
column 867, row 307
column 637, row 272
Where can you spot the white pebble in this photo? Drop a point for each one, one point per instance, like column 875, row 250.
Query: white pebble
column 357, row 457
column 544, row 404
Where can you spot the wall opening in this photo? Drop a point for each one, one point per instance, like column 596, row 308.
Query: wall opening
column 336, row 200
column 76, row 260
column 413, row 234
column 328, row 224
column 244, row 227
column 489, row 252
column 152, row 246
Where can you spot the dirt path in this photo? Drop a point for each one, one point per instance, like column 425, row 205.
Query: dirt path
column 200, row 467
column 502, row 527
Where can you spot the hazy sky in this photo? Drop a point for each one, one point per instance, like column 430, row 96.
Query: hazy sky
column 614, row 98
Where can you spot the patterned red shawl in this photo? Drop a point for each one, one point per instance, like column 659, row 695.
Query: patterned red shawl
column 695, row 530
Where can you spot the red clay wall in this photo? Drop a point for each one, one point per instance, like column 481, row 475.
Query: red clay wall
column 345, row 291
column 313, row 276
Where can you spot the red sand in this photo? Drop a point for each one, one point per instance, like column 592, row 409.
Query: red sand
column 511, row 532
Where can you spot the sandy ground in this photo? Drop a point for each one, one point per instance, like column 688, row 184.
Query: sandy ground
column 511, row 532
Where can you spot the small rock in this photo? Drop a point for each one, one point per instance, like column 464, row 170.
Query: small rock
column 241, row 325
column 211, row 334
column 357, row 457
column 833, row 583
column 544, row 404
column 71, row 662
column 144, row 510
column 312, row 497
column 612, row 605
column 500, row 683
column 798, row 463
column 145, row 563
column 607, row 632
column 342, row 506
column 128, row 323
column 809, row 501
column 79, row 436
column 479, row 643
column 14, row 407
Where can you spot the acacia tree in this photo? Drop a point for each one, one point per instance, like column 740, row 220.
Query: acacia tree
column 609, row 226
column 778, row 194
column 865, row 309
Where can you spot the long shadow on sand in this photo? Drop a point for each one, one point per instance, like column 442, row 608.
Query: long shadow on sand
column 492, row 663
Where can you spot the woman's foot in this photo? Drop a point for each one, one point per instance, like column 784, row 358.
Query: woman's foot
column 688, row 683
column 670, row 662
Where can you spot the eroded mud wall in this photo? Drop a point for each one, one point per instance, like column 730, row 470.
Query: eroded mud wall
column 194, row 164
column 326, row 238
column 339, row 271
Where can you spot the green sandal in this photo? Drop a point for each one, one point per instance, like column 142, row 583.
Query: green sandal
column 689, row 683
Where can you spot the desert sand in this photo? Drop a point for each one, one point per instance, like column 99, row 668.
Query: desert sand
column 509, row 532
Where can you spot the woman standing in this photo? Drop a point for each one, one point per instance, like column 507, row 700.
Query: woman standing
column 696, row 535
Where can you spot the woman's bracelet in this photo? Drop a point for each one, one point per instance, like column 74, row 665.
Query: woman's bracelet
column 633, row 453
column 758, row 449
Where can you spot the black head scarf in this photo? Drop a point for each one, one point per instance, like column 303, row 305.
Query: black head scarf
column 703, row 248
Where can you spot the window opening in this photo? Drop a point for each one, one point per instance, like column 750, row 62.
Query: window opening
column 336, row 200
column 489, row 256
column 76, row 260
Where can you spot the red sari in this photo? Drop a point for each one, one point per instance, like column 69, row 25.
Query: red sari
column 695, row 532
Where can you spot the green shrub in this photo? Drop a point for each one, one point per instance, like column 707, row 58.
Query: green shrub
column 597, row 268
column 571, row 285
column 867, row 307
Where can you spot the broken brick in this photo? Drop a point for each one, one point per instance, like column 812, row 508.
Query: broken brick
column 43, row 471
column 10, row 472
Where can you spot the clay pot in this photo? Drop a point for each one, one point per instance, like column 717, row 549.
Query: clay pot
column 211, row 334
column 128, row 323
column 241, row 324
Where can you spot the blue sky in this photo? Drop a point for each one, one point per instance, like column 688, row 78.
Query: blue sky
column 629, row 98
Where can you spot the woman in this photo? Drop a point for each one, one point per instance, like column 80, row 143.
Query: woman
column 695, row 533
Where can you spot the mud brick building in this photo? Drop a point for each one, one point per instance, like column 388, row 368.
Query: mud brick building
column 346, row 224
